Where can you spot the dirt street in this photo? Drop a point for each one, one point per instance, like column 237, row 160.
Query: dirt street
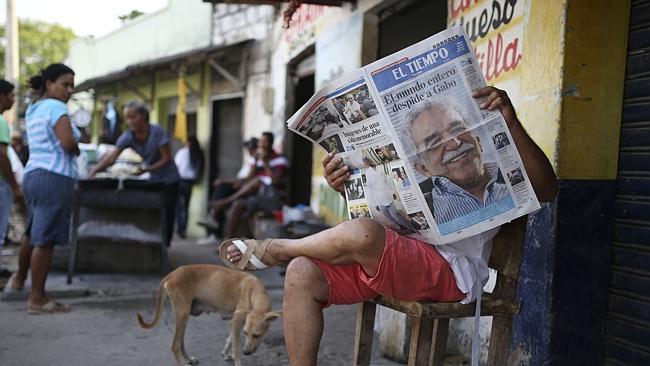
column 102, row 329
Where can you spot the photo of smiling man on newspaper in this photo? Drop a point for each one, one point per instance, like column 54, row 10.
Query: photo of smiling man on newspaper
column 459, row 180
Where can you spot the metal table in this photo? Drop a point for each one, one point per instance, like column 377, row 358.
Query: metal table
column 126, row 211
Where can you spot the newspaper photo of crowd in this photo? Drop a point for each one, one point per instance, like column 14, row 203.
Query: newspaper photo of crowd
column 354, row 189
column 355, row 105
column 419, row 221
column 500, row 140
column 400, row 177
column 515, row 177
column 323, row 121
column 369, row 157
column 332, row 144
column 381, row 154
column 359, row 211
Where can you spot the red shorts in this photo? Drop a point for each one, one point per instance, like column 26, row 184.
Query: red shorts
column 409, row 270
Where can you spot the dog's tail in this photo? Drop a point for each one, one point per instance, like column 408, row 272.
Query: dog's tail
column 159, row 303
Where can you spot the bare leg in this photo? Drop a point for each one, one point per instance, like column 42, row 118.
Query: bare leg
column 305, row 288
column 235, row 218
column 24, row 257
column 41, row 259
column 248, row 189
column 355, row 241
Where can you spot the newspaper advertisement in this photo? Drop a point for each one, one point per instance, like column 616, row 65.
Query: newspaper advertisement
column 425, row 160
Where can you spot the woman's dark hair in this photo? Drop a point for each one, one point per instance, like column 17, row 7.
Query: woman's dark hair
column 6, row 87
column 139, row 107
column 51, row 73
column 196, row 157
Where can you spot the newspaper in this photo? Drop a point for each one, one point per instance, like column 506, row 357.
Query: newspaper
column 425, row 160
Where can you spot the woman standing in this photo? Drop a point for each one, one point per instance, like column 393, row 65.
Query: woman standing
column 189, row 161
column 48, row 183
column 152, row 143
column 9, row 188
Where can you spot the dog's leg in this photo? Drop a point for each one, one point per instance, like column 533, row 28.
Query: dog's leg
column 236, row 325
column 177, row 344
column 226, row 349
column 181, row 308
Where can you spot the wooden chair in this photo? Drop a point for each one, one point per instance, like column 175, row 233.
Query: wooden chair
column 430, row 320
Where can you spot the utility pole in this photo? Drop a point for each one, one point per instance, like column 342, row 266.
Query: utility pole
column 11, row 58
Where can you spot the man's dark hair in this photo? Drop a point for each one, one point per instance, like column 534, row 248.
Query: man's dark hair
column 251, row 143
column 52, row 72
column 139, row 107
column 6, row 87
column 269, row 136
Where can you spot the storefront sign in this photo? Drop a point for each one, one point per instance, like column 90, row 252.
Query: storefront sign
column 495, row 28
column 338, row 49
column 302, row 28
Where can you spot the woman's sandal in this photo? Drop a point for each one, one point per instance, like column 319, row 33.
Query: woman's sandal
column 15, row 284
column 253, row 252
column 50, row 307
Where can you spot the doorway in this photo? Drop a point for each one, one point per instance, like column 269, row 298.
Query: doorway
column 423, row 18
column 299, row 149
column 226, row 140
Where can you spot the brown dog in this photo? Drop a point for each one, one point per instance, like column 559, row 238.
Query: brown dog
column 199, row 288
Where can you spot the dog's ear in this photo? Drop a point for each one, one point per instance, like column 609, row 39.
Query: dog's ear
column 272, row 315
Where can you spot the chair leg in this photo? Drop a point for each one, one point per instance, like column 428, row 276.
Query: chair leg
column 364, row 334
column 164, row 239
column 428, row 341
column 500, row 340
column 439, row 342
column 74, row 238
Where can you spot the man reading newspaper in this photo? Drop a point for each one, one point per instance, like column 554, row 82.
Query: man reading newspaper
column 360, row 259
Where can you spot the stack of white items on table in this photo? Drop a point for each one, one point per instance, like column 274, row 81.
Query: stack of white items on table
column 128, row 165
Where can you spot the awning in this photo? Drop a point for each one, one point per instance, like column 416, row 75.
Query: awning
column 279, row 2
column 191, row 56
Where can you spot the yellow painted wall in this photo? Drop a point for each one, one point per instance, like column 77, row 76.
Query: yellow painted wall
column 539, row 104
column 571, row 87
column 198, row 202
column 592, row 89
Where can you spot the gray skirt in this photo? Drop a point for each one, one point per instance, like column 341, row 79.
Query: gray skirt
column 49, row 199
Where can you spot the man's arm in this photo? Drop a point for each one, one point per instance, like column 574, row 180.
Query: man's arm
column 539, row 169
column 7, row 172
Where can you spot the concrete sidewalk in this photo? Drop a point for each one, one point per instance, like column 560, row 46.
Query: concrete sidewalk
column 102, row 329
